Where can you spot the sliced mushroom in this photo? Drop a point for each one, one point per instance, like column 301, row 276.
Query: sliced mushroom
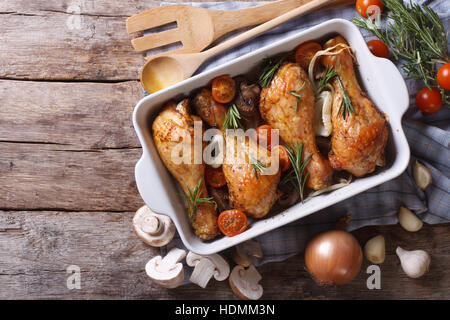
column 220, row 196
column 212, row 112
column 154, row 229
column 244, row 254
column 205, row 267
column 167, row 272
column 245, row 283
column 247, row 99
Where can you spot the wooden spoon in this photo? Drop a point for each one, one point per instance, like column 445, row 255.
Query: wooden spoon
column 162, row 71
column 198, row 27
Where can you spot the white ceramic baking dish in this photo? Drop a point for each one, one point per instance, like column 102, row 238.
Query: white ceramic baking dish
column 378, row 77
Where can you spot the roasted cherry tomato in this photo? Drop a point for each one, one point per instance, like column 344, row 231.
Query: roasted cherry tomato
column 223, row 89
column 362, row 6
column 232, row 222
column 429, row 101
column 285, row 164
column 378, row 48
column 215, row 177
column 305, row 52
column 443, row 76
column 264, row 135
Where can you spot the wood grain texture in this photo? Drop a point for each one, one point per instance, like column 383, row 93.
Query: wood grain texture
column 37, row 248
column 77, row 115
column 67, row 156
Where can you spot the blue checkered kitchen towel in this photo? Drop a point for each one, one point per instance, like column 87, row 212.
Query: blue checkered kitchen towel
column 428, row 136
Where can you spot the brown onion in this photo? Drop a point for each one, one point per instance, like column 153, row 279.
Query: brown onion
column 333, row 257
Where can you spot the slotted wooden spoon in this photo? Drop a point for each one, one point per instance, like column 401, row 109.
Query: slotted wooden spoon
column 164, row 70
column 198, row 27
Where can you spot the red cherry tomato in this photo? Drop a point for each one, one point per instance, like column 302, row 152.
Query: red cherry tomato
column 285, row 164
column 305, row 52
column 378, row 48
column 363, row 6
column 223, row 89
column 264, row 135
column 429, row 101
column 443, row 76
column 215, row 177
column 232, row 222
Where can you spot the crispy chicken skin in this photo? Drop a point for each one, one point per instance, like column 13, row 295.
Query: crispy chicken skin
column 358, row 142
column 170, row 128
column 278, row 108
column 255, row 194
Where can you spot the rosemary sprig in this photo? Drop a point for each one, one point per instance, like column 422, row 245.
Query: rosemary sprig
column 233, row 119
column 415, row 35
column 323, row 82
column 193, row 199
column 346, row 104
column 297, row 95
column 257, row 166
column 269, row 67
column 296, row 175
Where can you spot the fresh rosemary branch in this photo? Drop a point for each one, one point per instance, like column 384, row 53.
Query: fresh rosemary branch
column 257, row 166
column 233, row 119
column 270, row 67
column 346, row 104
column 329, row 74
column 416, row 35
column 193, row 200
column 296, row 175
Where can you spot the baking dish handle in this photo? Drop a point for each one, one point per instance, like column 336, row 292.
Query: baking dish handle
column 394, row 86
column 151, row 188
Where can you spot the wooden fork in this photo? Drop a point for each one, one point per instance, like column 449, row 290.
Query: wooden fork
column 198, row 27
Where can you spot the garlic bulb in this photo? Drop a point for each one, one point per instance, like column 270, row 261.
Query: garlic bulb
column 375, row 250
column 414, row 263
column 422, row 175
column 409, row 221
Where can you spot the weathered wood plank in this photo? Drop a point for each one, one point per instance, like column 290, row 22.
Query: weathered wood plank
column 69, row 40
column 36, row 176
column 37, row 247
column 82, row 115
column 49, row 46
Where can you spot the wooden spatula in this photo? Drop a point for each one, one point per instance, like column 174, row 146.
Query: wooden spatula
column 198, row 27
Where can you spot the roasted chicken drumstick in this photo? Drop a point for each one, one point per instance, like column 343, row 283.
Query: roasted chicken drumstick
column 288, row 105
column 170, row 128
column 359, row 139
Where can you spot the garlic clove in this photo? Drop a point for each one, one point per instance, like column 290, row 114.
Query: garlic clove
column 409, row 221
column 422, row 175
column 375, row 250
column 414, row 263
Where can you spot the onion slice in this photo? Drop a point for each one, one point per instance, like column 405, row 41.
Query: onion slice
column 342, row 183
column 322, row 116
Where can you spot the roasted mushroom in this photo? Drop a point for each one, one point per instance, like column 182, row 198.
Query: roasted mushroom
column 212, row 112
column 247, row 99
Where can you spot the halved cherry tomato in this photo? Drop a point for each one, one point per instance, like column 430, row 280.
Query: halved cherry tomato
column 443, row 76
column 232, row 222
column 284, row 162
column 362, row 6
column 429, row 101
column 215, row 177
column 378, row 48
column 223, row 89
column 264, row 135
column 305, row 52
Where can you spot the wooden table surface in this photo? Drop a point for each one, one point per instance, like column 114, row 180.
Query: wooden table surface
column 68, row 85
